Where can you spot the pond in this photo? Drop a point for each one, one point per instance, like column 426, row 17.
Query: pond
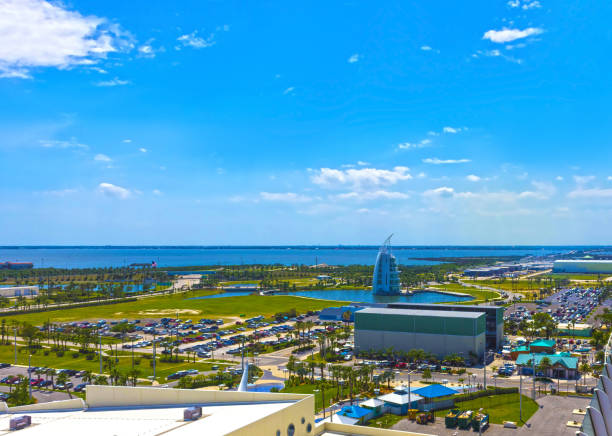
column 360, row 296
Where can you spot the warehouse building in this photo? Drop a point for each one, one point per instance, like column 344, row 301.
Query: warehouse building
column 436, row 331
column 19, row 291
column 583, row 266
column 494, row 332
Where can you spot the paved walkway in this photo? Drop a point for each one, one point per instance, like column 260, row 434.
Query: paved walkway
column 550, row 420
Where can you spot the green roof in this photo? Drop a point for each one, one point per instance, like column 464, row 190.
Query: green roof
column 543, row 343
column 567, row 361
column 521, row 348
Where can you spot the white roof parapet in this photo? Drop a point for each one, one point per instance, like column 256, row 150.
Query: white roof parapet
column 605, row 408
column 599, row 426
column 607, row 386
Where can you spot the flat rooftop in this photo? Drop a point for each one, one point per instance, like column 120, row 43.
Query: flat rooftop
column 148, row 420
column 461, row 307
column 419, row 312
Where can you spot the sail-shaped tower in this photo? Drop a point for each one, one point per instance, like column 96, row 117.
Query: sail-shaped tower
column 386, row 274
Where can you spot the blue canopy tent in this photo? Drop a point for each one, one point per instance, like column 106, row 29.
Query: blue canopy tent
column 434, row 391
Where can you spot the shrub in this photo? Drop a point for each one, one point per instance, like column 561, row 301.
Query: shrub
column 59, row 354
column 75, row 355
column 46, row 352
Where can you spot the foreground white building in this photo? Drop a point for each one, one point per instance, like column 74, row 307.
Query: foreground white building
column 119, row 411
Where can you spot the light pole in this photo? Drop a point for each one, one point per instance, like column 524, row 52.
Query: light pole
column 521, row 395
column 154, row 343
column 15, row 343
column 30, row 375
column 132, row 353
column 100, row 353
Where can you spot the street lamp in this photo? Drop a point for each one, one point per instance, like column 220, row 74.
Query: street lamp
column 30, row 375
column 15, row 343
column 100, row 352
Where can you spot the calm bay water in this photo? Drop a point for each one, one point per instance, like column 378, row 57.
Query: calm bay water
column 358, row 296
column 94, row 257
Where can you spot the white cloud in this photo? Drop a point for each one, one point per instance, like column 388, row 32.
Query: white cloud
column 473, row 178
column 525, row 4
column 72, row 143
column 507, row 35
column 286, row 197
column 193, row 40
column 443, row 191
column 147, row 50
column 590, row 193
column 127, row 141
column 583, row 180
column 609, row 178
column 38, row 33
column 373, row 195
column 61, row 192
column 436, row 161
column 360, row 178
column 102, row 158
column 115, row 191
column 425, row 48
column 354, row 58
column 362, row 163
column 559, row 178
column 412, row 145
column 289, row 90
column 432, row 133
column 157, row 192
column 449, row 129
column 142, row 150
column 113, row 82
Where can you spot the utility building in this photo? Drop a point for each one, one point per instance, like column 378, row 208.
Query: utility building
column 437, row 332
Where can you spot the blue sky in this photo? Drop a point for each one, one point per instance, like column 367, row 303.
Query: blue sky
column 227, row 122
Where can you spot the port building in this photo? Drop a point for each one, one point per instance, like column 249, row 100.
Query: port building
column 438, row 332
column 386, row 273
column 585, row 266
column 494, row 318
column 19, row 291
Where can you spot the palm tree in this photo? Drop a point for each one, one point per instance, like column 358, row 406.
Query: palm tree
column 63, row 380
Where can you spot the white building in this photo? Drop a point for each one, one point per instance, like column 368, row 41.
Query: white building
column 386, row 274
column 19, row 291
column 583, row 266
column 128, row 411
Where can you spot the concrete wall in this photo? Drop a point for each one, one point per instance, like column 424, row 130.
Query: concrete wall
column 440, row 345
column 125, row 396
column 74, row 404
column 361, row 431
column 281, row 420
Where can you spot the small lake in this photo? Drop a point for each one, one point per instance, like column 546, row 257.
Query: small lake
column 267, row 387
column 359, row 296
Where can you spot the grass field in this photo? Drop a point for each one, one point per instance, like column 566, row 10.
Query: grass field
column 330, row 392
column 387, row 420
column 500, row 408
column 163, row 369
column 577, row 276
column 479, row 295
column 187, row 308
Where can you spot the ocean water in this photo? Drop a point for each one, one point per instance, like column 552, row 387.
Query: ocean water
column 358, row 296
column 95, row 257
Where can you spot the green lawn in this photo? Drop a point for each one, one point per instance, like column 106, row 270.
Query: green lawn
column 500, row 408
column 81, row 363
column 479, row 295
column 387, row 420
column 330, row 392
column 187, row 308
